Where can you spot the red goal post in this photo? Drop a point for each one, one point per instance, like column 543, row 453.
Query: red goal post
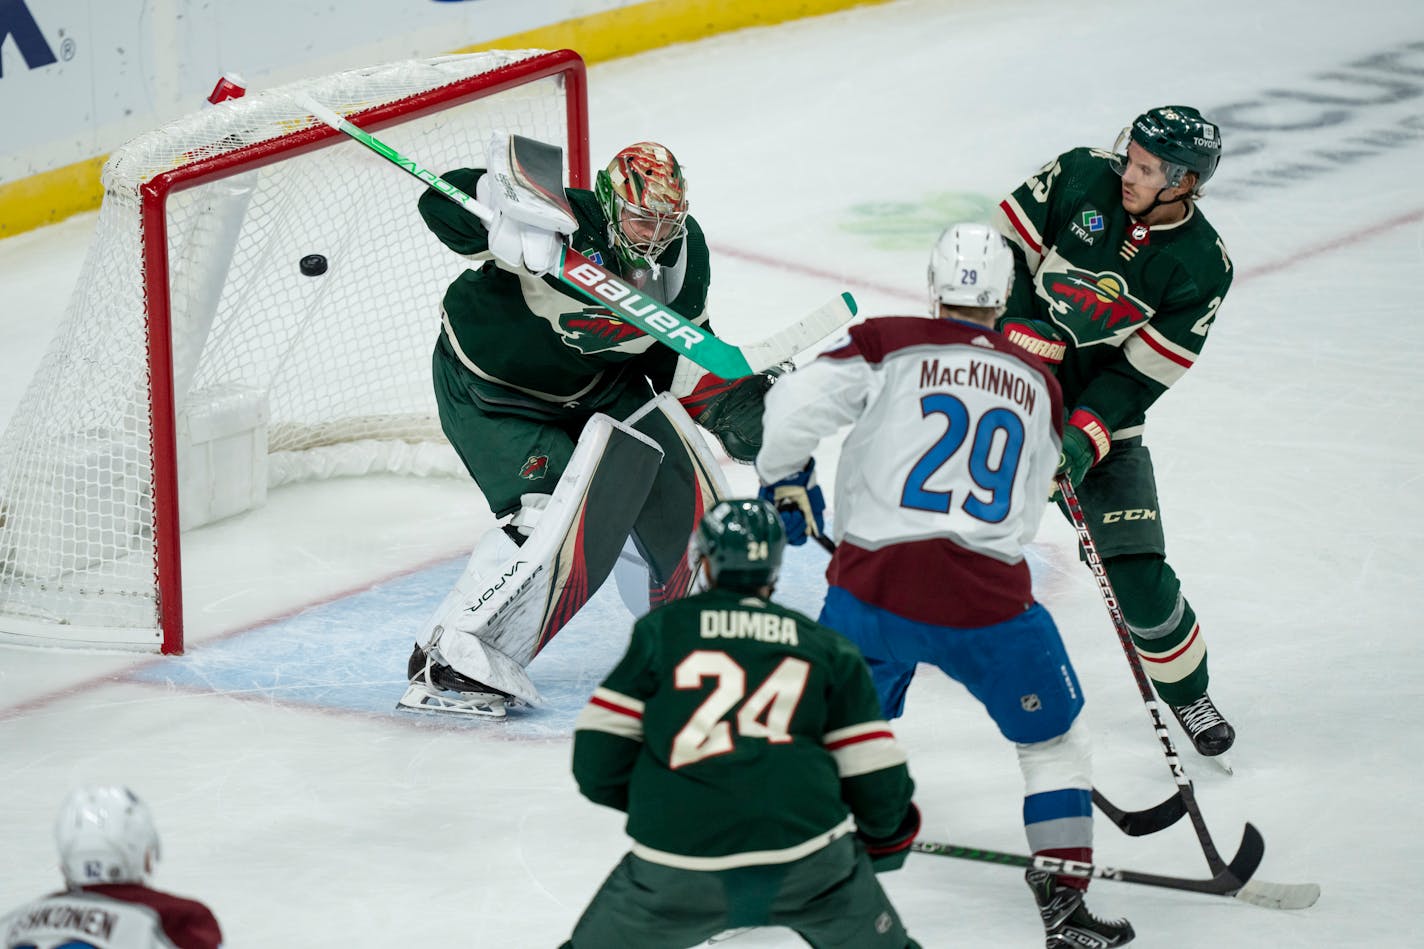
column 199, row 363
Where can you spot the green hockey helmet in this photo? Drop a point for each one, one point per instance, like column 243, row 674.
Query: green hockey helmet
column 742, row 542
column 1181, row 137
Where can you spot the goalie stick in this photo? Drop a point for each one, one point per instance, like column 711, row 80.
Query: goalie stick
column 1186, row 793
column 717, row 356
column 1233, row 879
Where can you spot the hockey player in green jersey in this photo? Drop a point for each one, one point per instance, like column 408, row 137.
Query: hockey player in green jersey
column 522, row 360
column 747, row 746
column 521, row 366
column 1118, row 280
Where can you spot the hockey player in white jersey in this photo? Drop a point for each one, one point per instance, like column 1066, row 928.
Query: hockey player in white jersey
column 107, row 849
column 955, row 436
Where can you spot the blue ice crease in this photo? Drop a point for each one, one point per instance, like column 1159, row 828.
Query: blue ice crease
column 351, row 653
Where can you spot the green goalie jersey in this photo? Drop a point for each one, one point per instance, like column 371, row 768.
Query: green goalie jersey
column 1132, row 303
column 537, row 337
column 735, row 732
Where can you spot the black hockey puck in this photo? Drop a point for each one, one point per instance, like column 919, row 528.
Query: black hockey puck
column 313, row 265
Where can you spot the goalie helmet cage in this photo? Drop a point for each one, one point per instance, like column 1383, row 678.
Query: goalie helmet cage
column 194, row 320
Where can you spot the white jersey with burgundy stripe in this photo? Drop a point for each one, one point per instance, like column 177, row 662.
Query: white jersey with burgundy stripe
column 117, row 916
column 954, row 440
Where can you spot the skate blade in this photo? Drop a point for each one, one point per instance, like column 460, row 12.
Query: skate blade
column 1223, row 762
column 417, row 698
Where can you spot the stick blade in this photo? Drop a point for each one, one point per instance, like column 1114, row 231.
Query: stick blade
column 1279, row 895
column 1261, row 892
column 1143, row 822
column 1248, row 855
column 810, row 330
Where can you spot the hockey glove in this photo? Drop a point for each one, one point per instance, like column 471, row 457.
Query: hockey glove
column 1036, row 336
column 528, row 228
column 799, row 501
column 889, row 853
column 1086, row 442
column 731, row 410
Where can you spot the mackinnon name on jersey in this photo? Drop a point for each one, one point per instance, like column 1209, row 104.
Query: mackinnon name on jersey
column 739, row 624
column 979, row 375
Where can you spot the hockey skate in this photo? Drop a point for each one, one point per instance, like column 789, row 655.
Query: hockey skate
column 435, row 687
column 1067, row 920
column 1210, row 733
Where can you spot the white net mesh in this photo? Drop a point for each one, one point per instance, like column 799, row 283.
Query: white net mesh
column 341, row 359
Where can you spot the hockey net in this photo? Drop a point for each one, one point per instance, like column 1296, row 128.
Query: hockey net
column 198, row 363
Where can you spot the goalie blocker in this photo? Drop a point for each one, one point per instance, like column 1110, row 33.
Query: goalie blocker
column 650, row 477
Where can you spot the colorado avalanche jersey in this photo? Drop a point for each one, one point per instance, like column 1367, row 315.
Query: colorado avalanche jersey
column 111, row 916
column 946, row 471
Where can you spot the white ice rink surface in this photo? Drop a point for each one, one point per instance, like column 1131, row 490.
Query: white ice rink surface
column 824, row 155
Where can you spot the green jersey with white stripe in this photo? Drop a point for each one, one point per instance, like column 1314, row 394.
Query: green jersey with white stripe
column 534, row 335
column 736, row 732
column 1132, row 303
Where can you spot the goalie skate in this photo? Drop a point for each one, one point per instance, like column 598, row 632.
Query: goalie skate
column 435, row 687
column 512, row 600
column 421, row 697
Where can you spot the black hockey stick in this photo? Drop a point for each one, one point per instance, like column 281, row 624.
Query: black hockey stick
column 1143, row 822
column 1227, row 882
column 1185, row 791
column 1234, row 879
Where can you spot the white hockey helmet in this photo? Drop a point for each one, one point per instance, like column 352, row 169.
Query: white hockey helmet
column 105, row 835
column 971, row 265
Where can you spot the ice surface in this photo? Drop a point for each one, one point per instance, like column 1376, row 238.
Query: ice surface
column 824, row 155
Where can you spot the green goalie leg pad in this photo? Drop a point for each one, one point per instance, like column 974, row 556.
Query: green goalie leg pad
column 1163, row 625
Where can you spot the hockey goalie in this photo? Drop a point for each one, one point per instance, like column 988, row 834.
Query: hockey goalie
column 577, row 426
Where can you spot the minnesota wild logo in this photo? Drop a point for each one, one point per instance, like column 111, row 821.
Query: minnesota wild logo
column 1092, row 307
column 595, row 329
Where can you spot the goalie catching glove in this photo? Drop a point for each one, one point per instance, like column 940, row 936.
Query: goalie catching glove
column 524, row 192
column 730, row 409
column 801, row 503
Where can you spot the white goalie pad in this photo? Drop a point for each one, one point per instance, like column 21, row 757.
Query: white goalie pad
column 513, row 600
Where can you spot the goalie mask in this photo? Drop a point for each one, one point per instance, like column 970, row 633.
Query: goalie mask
column 742, row 542
column 1180, row 137
column 970, row 265
column 644, row 196
column 105, row 835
